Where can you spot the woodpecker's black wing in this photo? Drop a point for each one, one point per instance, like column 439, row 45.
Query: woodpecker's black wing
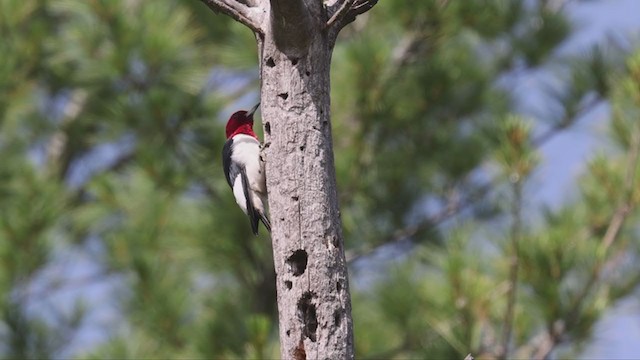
column 229, row 171
column 251, row 211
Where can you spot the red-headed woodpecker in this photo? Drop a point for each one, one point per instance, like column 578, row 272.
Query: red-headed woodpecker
column 244, row 169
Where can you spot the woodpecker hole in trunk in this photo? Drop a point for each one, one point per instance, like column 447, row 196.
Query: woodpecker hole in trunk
column 288, row 284
column 308, row 315
column 270, row 62
column 267, row 128
column 297, row 262
column 284, row 96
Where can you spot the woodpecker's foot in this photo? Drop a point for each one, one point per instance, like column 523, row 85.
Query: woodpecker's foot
column 263, row 147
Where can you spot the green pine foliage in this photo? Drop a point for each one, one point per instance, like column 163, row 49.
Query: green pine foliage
column 111, row 128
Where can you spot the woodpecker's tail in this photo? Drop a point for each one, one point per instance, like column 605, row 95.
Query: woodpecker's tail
column 252, row 212
column 265, row 221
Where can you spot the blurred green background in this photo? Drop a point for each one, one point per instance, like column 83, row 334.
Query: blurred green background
column 119, row 237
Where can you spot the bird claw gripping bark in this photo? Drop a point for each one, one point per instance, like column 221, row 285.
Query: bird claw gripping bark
column 263, row 148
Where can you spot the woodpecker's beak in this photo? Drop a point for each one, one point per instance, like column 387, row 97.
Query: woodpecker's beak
column 253, row 110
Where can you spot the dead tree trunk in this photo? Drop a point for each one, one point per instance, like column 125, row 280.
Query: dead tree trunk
column 295, row 40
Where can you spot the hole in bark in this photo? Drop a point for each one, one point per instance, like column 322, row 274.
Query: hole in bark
column 338, row 286
column 281, row 219
column 288, row 332
column 308, row 73
column 295, row 198
column 270, row 62
column 299, row 353
column 288, row 284
column 284, row 96
column 297, row 262
column 336, row 242
column 308, row 316
column 302, row 148
column 337, row 317
column 267, row 128
column 294, row 61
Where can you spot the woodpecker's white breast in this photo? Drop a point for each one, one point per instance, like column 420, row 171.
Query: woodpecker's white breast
column 246, row 152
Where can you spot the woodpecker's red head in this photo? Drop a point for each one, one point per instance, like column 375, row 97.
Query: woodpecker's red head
column 241, row 122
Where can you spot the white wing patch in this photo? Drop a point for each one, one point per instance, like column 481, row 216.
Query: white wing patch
column 238, row 193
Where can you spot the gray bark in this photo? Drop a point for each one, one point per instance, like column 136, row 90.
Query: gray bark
column 313, row 294
column 295, row 39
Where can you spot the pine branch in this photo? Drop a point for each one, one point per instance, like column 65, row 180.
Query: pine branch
column 516, row 233
column 453, row 208
column 27, row 294
column 626, row 205
column 58, row 147
column 239, row 12
column 562, row 326
column 562, row 125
